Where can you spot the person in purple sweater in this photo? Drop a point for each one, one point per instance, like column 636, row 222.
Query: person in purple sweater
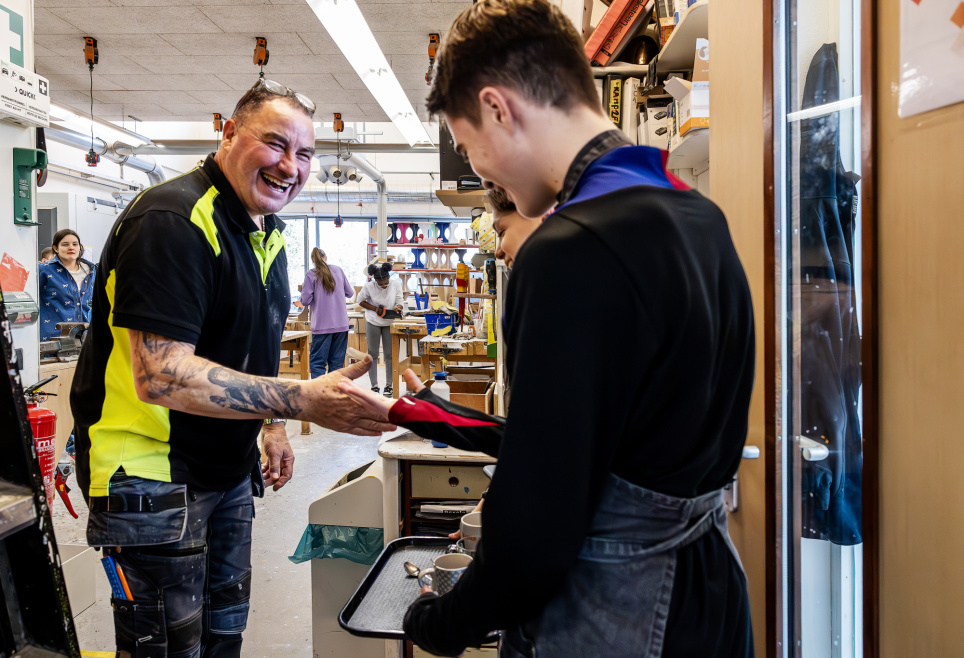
column 329, row 315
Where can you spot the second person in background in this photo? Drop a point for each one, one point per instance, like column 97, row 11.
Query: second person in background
column 380, row 294
column 322, row 292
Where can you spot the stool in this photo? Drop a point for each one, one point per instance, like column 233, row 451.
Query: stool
column 461, row 254
column 418, row 263
column 402, row 231
column 393, row 238
column 442, row 228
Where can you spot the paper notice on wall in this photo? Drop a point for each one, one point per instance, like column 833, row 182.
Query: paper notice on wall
column 13, row 275
column 931, row 55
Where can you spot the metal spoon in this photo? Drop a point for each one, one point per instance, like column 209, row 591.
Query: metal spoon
column 411, row 569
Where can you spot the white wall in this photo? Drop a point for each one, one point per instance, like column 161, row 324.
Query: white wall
column 20, row 241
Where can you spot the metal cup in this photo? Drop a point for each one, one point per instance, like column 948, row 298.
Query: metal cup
column 446, row 572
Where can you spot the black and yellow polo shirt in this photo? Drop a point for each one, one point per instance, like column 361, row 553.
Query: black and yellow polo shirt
column 185, row 261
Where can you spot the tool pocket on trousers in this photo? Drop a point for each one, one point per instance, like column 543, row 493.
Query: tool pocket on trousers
column 140, row 628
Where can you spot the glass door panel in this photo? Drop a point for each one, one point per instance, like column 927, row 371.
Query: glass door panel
column 817, row 72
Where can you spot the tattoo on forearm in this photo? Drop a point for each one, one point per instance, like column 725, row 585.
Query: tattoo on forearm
column 245, row 393
column 176, row 370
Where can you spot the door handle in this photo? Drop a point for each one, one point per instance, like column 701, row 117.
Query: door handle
column 731, row 492
column 812, row 451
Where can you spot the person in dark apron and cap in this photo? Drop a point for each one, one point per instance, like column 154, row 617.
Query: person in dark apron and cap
column 605, row 531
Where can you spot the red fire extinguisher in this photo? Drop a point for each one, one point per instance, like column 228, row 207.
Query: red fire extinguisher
column 43, row 424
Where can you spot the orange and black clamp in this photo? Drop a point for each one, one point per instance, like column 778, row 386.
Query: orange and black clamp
column 433, row 41
column 338, row 125
column 261, row 51
column 90, row 52
column 218, row 122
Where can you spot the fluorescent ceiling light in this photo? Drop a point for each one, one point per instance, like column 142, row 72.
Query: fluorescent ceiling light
column 106, row 131
column 348, row 29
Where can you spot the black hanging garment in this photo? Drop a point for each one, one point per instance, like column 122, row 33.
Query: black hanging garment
column 830, row 336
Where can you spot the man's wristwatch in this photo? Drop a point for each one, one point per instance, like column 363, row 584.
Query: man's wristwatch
column 269, row 421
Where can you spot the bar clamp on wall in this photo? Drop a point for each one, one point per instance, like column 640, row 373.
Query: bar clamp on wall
column 24, row 162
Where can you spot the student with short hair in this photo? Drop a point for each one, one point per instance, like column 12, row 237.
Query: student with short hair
column 605, row 530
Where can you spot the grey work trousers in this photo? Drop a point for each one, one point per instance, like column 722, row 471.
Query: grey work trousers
column 372, row 335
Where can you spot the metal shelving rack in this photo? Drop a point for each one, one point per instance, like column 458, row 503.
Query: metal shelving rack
column 35, row 619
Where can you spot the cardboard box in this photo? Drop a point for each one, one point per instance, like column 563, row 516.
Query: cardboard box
column 693, row 97
column 666, row 26
column 653, row 107
column 81, row 565
column 467, row 393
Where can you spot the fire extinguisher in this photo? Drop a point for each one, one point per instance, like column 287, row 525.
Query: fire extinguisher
column 43, row 424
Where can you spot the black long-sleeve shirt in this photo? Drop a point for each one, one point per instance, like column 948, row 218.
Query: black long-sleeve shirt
column 660, row 400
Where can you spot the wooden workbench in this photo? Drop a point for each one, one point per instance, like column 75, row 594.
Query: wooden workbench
column 405, row 330
column 467, row 355
column 296, row 342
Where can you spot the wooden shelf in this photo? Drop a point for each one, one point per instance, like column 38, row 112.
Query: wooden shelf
column 631, row 70
column 679, row 51
column 475, row 295
column 411, row 271
column 16, row 508
column 461, row 198
column 693, row 152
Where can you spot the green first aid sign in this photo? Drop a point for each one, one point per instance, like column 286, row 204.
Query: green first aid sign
column 11, row 36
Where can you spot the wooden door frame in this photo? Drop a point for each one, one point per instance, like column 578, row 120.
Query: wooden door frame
column 869, row 335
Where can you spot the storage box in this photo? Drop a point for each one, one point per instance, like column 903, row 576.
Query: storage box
column 666, row 26
column 693, row 97
column 653, row 107
column 81, row 566
column 467, row 393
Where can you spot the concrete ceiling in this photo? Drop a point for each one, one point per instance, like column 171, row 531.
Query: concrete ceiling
column 182, row 60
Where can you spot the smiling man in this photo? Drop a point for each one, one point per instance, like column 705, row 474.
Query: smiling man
column 177, row 379
column 605, row 531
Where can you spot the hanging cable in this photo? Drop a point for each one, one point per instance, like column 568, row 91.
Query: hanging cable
column 91, row 56
column 337, row 184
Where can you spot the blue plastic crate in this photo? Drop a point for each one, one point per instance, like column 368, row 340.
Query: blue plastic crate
column 434, row 321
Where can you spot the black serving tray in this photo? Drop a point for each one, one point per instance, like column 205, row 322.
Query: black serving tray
column 378, row 606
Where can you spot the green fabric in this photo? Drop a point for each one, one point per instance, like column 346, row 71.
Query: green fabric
column 361, row 545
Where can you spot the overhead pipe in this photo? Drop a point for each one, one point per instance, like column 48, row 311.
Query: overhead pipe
column 326, row 194
column 381, row 224
column 205, row 146
column 147, row 165
column 363, row 165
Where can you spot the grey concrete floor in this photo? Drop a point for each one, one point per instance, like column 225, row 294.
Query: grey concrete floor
column 279, row 623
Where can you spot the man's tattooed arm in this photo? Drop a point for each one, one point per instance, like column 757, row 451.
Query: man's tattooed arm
column 168, row 373
column 258, row 395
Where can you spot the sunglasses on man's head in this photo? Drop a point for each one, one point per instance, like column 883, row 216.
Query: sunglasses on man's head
column 280, row 90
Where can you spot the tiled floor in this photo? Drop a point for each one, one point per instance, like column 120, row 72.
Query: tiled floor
column 280, row 619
